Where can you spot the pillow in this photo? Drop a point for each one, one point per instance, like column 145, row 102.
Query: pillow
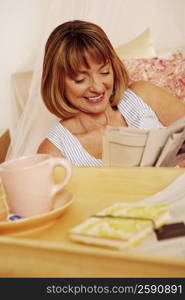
column 171, row 53
column 166, row 73
column 140, row 47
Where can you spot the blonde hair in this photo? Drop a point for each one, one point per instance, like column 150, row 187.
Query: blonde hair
column 66, row 48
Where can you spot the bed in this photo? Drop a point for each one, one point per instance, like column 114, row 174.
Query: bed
column 143, row 62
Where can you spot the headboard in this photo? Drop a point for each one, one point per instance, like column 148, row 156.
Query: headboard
column 21, row 82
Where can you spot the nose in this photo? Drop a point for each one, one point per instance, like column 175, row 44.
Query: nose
column 96, row 85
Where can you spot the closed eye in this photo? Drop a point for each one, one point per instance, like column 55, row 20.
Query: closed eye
column 79, row 80
column 105, row 70
column 105, row 73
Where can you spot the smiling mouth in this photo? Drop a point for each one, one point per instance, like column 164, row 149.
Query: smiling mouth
column 95, row 99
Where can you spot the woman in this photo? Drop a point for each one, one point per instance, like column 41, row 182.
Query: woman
column 85, row 84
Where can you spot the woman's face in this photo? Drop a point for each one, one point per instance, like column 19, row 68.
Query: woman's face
column 91, row 89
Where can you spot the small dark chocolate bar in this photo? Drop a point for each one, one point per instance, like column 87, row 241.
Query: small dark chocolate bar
column 169, row 231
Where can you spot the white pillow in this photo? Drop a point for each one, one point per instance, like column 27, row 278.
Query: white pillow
column 140, row 47
column 171, row 53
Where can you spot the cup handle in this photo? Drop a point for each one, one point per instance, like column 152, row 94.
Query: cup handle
column 57, row 162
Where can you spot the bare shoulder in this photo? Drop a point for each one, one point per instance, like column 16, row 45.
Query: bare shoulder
column 47, row 147
column 167, row 107
column 141, row 86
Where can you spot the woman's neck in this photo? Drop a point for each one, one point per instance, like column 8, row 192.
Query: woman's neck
column 84, row 123
column 91, row 122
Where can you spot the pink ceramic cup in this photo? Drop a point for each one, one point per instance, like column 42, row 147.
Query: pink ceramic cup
column 29, row 184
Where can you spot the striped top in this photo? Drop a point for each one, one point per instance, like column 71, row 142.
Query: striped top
column 135, row 112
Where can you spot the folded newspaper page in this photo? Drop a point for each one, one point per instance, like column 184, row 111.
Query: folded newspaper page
column 126, row 147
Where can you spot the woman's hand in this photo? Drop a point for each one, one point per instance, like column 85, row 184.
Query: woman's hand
column 181, row 164
column 180, row 161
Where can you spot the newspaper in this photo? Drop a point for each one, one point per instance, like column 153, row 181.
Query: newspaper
column 126, row 147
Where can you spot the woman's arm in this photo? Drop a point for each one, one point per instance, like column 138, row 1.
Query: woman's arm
column 167, row 107
column 47, row 147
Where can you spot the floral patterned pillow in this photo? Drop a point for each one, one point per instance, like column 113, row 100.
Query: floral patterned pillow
column 166, row 73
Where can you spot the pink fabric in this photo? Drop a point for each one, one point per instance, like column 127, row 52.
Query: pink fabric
column 166, row 73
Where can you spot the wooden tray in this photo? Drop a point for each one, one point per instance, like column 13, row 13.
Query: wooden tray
column 50, row 253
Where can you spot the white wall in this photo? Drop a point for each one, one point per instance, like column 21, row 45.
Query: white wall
column 23, row 21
